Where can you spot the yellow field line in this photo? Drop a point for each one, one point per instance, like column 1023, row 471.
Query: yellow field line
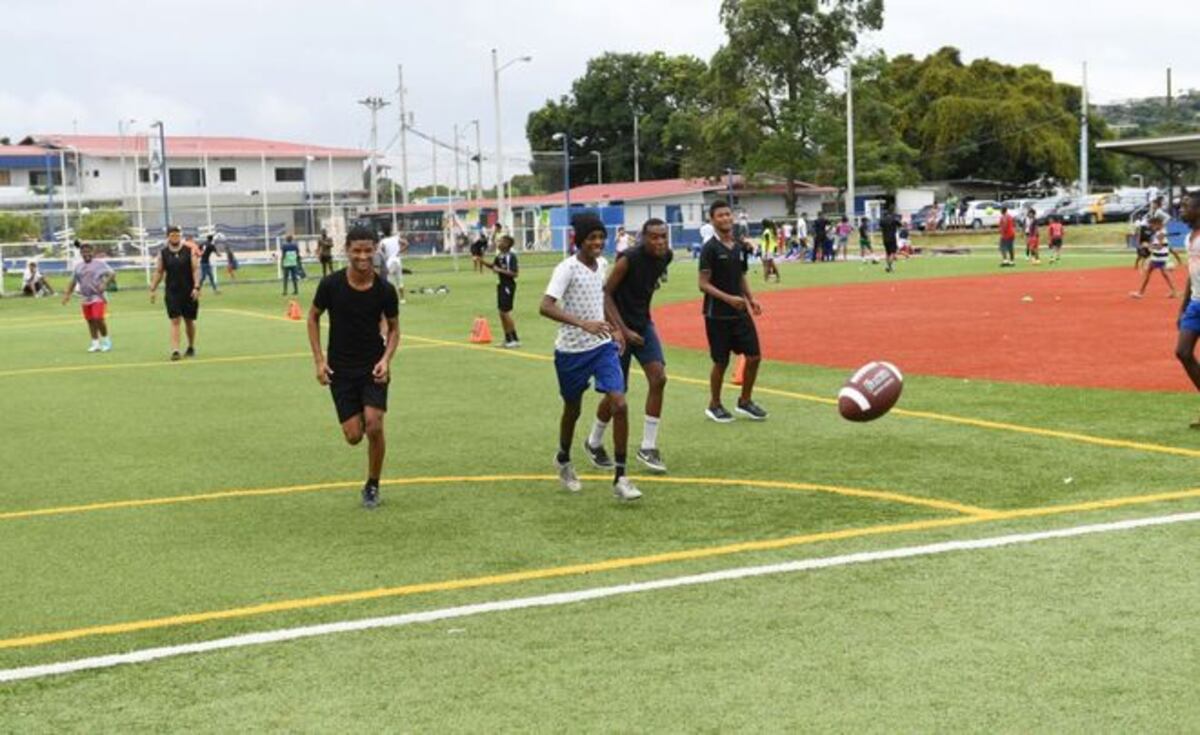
column 607, row 565
column 475, row 479
column 155, row 364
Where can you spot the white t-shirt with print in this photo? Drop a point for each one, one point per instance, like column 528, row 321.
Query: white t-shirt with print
column 580, row 292
column 1193, row 260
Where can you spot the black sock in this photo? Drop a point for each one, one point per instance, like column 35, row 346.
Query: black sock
column 515, row 337
column 564, row 455
column 619, row 462
column 373, row 481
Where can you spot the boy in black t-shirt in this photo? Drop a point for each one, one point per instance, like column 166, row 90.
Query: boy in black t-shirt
column 358, row 368
column 728, row 305
column 505, row 267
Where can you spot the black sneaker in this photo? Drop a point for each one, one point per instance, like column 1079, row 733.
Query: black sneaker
column 719, row 414
column 598, row 456
column 191, row 352
column 370, row 496
column 751, row 410
column 652, row 459
column 175, row 356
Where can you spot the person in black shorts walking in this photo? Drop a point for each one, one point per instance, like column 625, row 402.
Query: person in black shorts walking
column 358, row 367
column 325, row 253
column 206, row 267
column 889, row 225
column 631, row 284
column 181, row 268
column 506, row 269
column 728, row 306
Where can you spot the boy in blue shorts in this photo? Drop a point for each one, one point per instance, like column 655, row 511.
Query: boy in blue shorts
column 587, row 348
column 1189, row 310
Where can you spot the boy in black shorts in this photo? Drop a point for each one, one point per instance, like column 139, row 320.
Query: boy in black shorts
column 505, row 267
column 358, row 368
column 627, row 293
column 180, row 267
column 728, row 305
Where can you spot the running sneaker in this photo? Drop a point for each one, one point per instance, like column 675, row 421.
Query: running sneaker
column 370, row 496
column 105, row 344
column 174, row 355
column 191, row 352
column 751, row 410
column 718, row 414
column 652, row 459
column 568, row 478
column 598, row 456
column 94, row 346
column 624, row 490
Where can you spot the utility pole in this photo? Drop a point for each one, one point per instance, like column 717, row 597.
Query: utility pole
column 374, row 104
column 1169, row 91
column 478, row 162
column 403, row 137
column 636, row 153
column 850, row 208
column 1083, row 137
column 162, row 154
column 457, row 180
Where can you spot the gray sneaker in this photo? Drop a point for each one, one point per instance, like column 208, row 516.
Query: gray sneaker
column 625, row 491
column 598, row 456
column 568, row 478
column 370, row 496
column 751, row 410
column 719, row 414
column 652, row 459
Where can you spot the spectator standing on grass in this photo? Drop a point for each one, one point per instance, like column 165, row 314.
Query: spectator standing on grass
column 478, row 248
column 325, row 253
column 843, row 230
column 1056, row 233
column 1189, row 310
column 770, row 249
column 1033, row 238
column 289, row 258
column 206, row 268
column 180, row 267
column 949, row 211
column 1008, row 234
column 864, row 242
column 506, row 268
column 820, row 237
column 92, row 277
column 802, row 234
column 889, row 226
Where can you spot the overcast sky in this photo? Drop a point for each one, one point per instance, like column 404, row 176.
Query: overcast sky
column 292, row 70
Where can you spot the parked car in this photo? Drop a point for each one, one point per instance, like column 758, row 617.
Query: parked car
column 982, row 213
column 1117, row 208
column 1080, row 210
column 1049, row 206
column 922, row 215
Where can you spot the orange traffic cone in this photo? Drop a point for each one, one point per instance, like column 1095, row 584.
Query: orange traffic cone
column 739, row 370
column 293, row 311
column 481, row 333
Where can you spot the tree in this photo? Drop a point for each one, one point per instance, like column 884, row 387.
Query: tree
column 780, row 52
column 18, row 227
column 601, row 108
column 102, row 224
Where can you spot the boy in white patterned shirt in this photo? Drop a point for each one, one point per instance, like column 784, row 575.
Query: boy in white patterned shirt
column 587, row 347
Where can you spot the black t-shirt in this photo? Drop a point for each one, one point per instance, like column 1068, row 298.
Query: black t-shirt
column 507, row 261
column 178, row 269
column 888, row 224
column 206, row 256
column 725, row 266
column 354, row 341
column 479, row 247
column 637, row 288
column 820, row 225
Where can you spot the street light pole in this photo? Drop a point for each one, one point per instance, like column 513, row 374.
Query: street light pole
column 403, row 138
column 478, row 162
column 162, row 171
column 374, row 104
column 599, row 166
column 496, row 69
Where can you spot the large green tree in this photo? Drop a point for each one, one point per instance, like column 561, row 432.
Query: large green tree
column 601, row 108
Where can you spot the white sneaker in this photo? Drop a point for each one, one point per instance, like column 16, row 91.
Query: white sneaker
column 95, row 346
column 568, row 478
column 625, row 490
column 105, row 345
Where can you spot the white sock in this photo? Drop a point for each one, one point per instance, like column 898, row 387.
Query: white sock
column 95, row 343
column 596, row 438
column 650, row 433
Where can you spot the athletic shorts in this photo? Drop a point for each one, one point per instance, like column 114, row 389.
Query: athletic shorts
column 731, row 335
column 93, row 310
column 889, row 247
column 1006, row 244
column 1056, row 242
column 353, row 390
column 1190, row 321
column 1158, row 265
column 504, row 297
column 1033, row 243
column 181, row 306
column 396, row 272
column 576, row 369
column 649, row 352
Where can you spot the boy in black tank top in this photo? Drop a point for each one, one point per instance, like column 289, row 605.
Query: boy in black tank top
column 181, row 268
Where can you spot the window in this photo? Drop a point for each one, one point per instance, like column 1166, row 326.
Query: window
column 5, row 177
column 39, row 178
column 228, row 175
column 289, row 174
column 144, row 175
column 185, row 177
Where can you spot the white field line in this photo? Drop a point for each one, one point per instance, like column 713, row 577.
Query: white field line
column 564, row 598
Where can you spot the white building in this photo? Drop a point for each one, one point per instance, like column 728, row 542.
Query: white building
column 227, row 182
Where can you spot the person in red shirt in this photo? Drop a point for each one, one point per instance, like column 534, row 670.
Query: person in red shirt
column 1008, row 233
column 1055, row 229
column 1033, row 238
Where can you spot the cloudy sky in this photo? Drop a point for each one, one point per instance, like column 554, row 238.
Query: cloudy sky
column 292, row 70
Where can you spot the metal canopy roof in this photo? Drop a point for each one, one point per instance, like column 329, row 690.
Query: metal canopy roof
column 1177, row 149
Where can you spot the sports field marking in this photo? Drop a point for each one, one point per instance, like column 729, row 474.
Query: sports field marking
column 154, row 364
column 883, row 495
column 585, row 595
column 709, row 552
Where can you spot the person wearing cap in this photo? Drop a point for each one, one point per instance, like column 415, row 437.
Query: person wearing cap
column 181, row 269
column 587, row 348
column 91, row 277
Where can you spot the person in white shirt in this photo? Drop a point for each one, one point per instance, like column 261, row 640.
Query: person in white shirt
column 587, row 348
column 1189, row 310
column 392, row 270
column 34, row 282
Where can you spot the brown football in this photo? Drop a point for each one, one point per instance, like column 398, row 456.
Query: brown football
column 870, row 392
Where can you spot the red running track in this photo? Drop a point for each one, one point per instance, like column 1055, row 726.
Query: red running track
column 1075, row 328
